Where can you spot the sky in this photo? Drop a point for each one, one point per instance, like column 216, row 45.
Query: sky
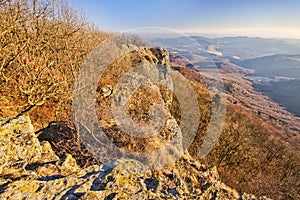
column 263, row 18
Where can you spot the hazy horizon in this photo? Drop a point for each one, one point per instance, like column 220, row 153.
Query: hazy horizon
column 210, row 35
column 269, row 19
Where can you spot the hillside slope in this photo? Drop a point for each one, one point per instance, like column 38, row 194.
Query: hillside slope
column 31, row 169
column 260, row 139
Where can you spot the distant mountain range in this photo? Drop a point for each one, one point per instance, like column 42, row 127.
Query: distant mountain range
column 248, row 47
column 235, row 47
column 275, row 63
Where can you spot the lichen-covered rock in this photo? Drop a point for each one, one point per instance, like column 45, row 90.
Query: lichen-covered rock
column 18, row 144
column 68, row 165
column 46, row 177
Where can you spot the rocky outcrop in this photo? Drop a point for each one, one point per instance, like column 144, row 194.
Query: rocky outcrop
column 31, row 170
column 132, row 106
column 162, row 55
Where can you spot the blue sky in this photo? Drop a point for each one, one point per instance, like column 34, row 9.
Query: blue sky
column 270, row 18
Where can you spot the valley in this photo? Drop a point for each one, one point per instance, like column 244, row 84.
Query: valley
column 103, row 109
column 262, row 104
column 275, row 61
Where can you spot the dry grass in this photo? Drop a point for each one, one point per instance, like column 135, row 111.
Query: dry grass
column 43, row 43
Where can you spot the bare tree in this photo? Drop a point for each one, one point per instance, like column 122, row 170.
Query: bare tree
column 42, row 44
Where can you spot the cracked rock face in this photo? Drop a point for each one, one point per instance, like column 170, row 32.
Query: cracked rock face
column 42, row 175
column 18, row 144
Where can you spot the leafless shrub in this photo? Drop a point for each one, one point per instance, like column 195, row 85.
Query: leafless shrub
column 42, row 44
column 251, row 159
